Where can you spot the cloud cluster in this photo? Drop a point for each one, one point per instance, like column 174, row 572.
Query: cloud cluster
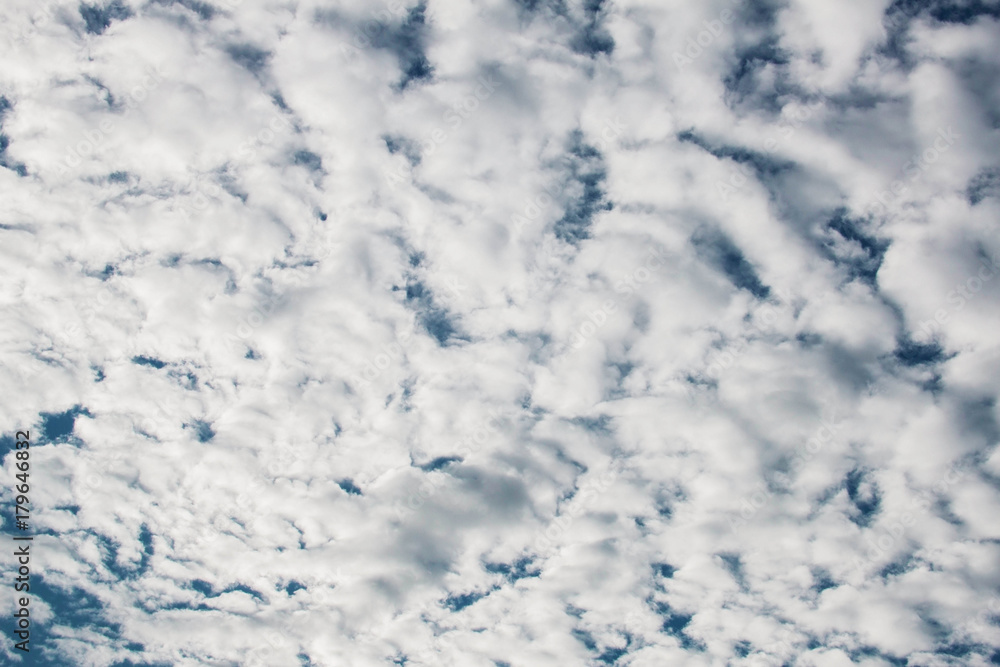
column 519, row 332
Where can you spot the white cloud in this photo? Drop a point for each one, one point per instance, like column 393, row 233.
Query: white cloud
column 453, row 335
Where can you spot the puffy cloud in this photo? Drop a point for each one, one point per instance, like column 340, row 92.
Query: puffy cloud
column 518, row 332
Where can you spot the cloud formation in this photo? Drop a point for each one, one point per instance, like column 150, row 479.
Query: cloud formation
column 520, row 332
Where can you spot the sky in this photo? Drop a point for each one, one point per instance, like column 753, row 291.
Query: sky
column 503, row 333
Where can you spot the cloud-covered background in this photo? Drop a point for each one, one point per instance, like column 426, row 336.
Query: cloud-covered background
column 504, row 332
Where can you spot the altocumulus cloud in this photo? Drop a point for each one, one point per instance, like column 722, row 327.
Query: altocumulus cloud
column 669, row 338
